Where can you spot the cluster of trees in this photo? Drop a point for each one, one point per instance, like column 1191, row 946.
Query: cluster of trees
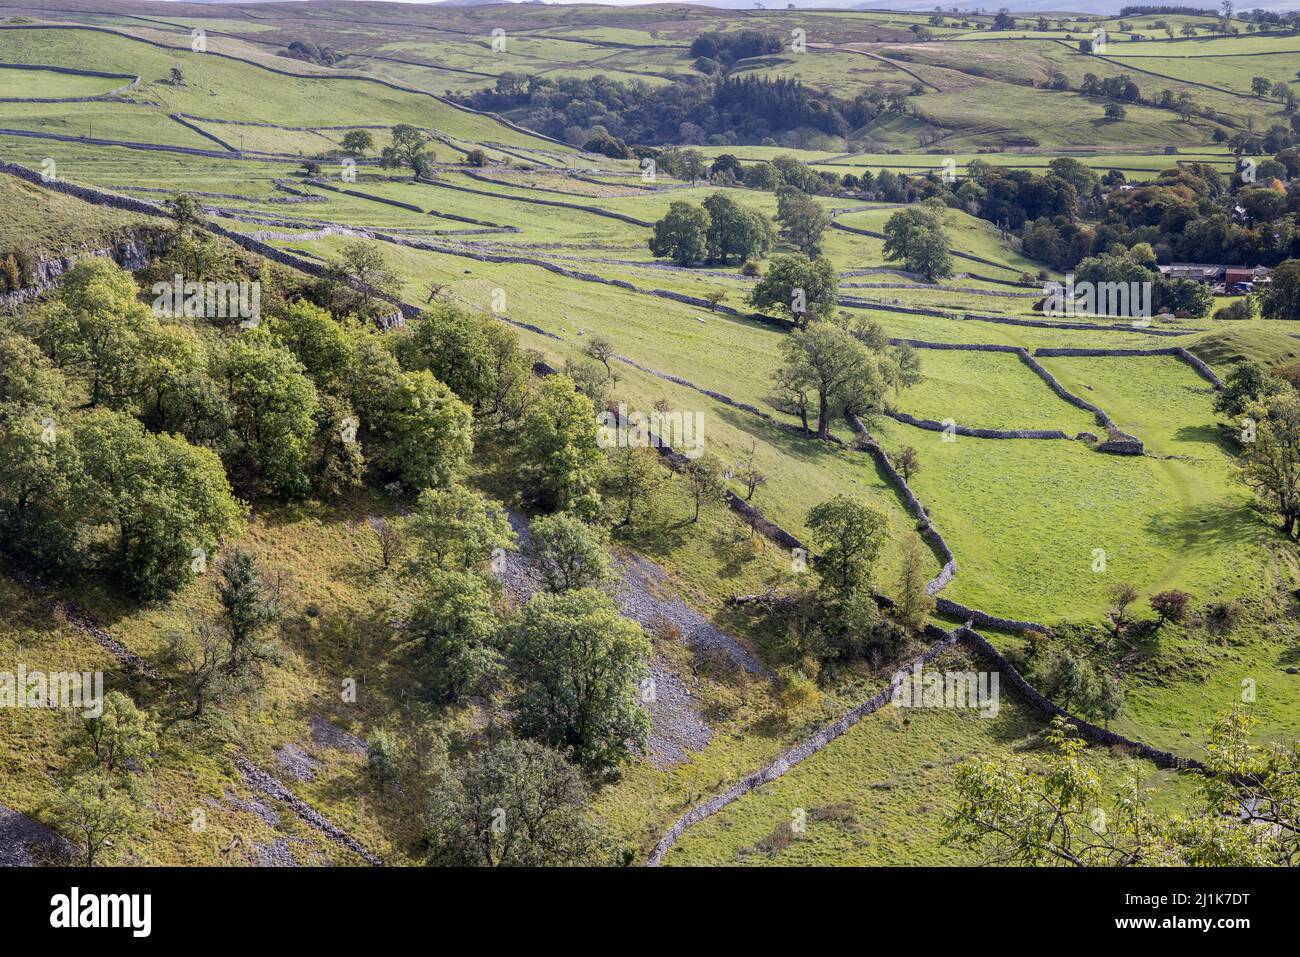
column 692, row 110
column 1122, row 88
column 125, row 432
column 916, row 237
column 848, row 368
column 1190, row 213
column 306, row 50
column 408, row 151
column 727, row 170
column 1121, row 268
column 838, row 618
column 122, row 432
column 720, row 229
column 571, row 666
column 716, row 231
column 1141, row 10
column 727, row 48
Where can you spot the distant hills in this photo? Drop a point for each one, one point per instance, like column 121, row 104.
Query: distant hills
column 1105, row 7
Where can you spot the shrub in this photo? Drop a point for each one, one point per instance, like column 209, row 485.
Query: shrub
column 1241, row 309
column 1171, row 605
column 382, row 759
column 1223, row 617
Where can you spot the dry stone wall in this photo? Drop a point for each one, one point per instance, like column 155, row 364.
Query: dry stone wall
column 594, row 210
column 977, row 433
column 1118, row 441
column 790, row 758
column 935, row 537
column 943, row 642
column 132, row 82
column 1086, row 729
column 1203, row 370
column 178, row 118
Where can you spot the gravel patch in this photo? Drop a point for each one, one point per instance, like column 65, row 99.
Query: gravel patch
column 332, row 736
column 27, row 843
column 275, row 854
column 646, row 595
column 518, row 573
column 263, row 810
column 297, row 762
column 676, row 728
column 257, row 779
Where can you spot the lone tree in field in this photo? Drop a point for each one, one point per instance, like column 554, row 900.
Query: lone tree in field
column 632, row 474
column 250, row 608
column 907, row 462
column 602, row 350
column 407, row 150
column 803, row 220
column 841, row 371
column 358, row 142
column 186, row 212
column 704, row 478
column 749, row 472
column 358, row 278
column 1121, row 595
column 848, row 537
column 715, row 298
column 800, row 288
column 97, row 815
column 912, row 603
column 916, row 237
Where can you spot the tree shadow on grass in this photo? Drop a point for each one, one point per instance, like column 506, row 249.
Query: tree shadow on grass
column 734, row 551
column 654, row 534
column 1207, row 434
column 1208, row 526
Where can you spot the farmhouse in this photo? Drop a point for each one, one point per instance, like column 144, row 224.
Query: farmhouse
column 1213, row 273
